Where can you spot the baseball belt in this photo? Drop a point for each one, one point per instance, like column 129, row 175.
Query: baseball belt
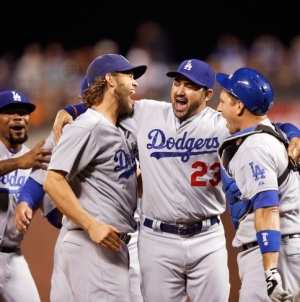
column 125, row 237
column 185, row 229
column 255, row 243
column 8, row 249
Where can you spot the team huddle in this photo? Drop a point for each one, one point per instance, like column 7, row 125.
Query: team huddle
column 137, row 189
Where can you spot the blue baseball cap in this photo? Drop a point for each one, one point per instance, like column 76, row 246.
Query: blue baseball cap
column 112, row 63
column 14, row 97
column 195, row 70
column 84, row 85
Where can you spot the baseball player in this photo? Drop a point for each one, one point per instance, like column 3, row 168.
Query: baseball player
column 16, row 282
column 263, row 205
column 30, row 197
column 181, row 244
column 92, row 180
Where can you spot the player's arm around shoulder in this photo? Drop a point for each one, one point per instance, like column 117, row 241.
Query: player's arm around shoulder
column 294, row 149
column 62, row 118
column 35, row 158
column 293, row 135
column 66, row 116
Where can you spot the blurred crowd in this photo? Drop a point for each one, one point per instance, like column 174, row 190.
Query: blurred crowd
column 51, row 75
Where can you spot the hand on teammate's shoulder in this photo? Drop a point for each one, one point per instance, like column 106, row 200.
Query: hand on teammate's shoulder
column 62, row 118
column 294, row 149
column 35, row 158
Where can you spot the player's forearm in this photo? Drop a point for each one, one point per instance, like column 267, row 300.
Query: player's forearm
column 9, row 165
column 267, row 218
column 59, row 190
column 270, row 260
column 267, row 226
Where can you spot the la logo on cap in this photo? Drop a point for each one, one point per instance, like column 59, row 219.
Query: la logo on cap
column 16, row 96
column 188, row 65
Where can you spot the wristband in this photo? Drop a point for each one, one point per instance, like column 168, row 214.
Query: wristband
column 269, row 241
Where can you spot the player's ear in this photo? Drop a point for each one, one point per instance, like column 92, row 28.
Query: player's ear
column 208, row 94
column 109, row 79
column 240, row 108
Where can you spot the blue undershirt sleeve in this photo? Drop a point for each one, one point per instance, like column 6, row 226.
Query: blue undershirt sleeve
column 289, row 129
column 265, row 199
column 32, row 192
column 52, row 218
column 76, row 110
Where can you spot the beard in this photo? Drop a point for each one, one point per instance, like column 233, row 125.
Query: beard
column 17, row 140
column 123, row 99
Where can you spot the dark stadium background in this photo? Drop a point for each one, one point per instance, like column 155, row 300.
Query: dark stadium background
column 192, row 27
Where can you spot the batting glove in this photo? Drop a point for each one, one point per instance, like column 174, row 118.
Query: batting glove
column 274, row 286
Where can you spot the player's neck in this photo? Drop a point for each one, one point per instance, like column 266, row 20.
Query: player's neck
column 251, row 121
column 106, row 113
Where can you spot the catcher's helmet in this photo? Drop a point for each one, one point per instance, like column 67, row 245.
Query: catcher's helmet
column 250, row 87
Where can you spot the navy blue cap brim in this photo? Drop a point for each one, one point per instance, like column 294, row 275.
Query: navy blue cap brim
column 137, row 71
column 28, row 106
column 175, row 73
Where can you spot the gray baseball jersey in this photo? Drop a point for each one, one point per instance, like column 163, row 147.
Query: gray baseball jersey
column 10, row 187
column 101, row 169
column 15, row 277
column 181, row 185
column 179, row 162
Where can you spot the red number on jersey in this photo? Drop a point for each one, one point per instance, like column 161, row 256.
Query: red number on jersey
column 202, row 169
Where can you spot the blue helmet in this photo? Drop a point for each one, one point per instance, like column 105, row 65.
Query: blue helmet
column 250, row 87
